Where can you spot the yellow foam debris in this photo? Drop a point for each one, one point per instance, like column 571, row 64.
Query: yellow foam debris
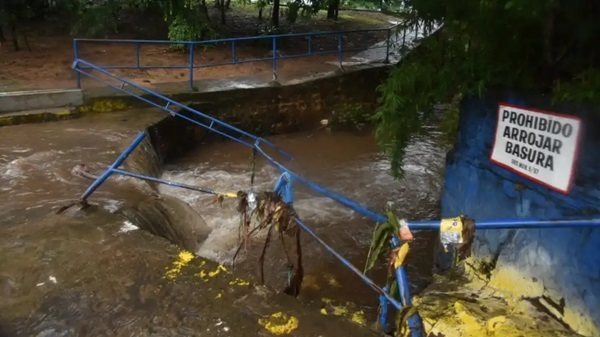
column 217, row 271
column 239, row 282
column 183, row 260
column 279, row 323
column 357, row 317
column 493, row 323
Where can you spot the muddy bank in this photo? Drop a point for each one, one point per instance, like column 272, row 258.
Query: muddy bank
column 84, row 291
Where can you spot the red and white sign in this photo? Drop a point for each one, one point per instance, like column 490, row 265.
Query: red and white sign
column 540, row 145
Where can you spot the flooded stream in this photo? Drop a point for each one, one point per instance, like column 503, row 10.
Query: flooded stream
column 42, row 257
column 347, row 163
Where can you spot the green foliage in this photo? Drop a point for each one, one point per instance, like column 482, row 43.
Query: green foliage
column 95, row 20
column 526, row 45
column 450, row 121
column 349, row 115
column 189, row 27
column 583, row 89
column 381, row 239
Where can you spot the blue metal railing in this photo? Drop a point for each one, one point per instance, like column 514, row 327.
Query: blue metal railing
column 284, row 187
column 392, row 38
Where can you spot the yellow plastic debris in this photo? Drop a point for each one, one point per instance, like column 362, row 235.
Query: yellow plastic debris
column 183, row 260
column 219, row 295
column 451, row 231
column 279, row 323
column 401, row 255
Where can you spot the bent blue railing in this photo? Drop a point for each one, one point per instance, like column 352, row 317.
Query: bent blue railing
column 392, row 38
column 284, row 186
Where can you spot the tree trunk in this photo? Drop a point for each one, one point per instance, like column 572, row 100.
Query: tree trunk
column 260, row 11
column 275, row 18
column 205, row 10
column 222, row 8
column 333, row 9
column 13, row 29
column 228, row 4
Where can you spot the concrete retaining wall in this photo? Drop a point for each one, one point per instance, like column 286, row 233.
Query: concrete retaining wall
column 560, row 268
column 39, row 99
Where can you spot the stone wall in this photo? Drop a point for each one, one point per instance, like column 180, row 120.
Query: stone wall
column 273, row 109
column 557, row 268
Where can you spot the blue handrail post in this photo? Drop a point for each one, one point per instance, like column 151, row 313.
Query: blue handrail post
column 233, row 54
column 387, row 47
column 137, row 55
column 274, row 58
column 414, row 322
column 76, row 57
column 283, row 187
column 341, row 49
column 102, row 178
column 191, row 46
column 383, row 302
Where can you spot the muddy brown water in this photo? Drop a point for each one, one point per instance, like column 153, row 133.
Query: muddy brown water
column 93, row 273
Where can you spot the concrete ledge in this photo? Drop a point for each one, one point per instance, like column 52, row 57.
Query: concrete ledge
column 37, row 116
column 39, row 99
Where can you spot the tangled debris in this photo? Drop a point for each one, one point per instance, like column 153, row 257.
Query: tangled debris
column 270, row 212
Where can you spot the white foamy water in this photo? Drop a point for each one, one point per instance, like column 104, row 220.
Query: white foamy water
column 348, row 164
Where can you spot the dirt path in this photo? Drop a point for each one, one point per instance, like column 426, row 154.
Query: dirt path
column 48, row 65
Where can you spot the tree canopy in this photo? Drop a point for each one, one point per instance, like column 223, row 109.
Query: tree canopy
column 540, row 46
column 186, row 19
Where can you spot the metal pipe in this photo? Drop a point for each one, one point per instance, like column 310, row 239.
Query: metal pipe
column 249, row 38
column 515, row 224
column 76, row 57
column 175, row 103
column 102, row 178
column 431, row 224
column 415, row 323
column 137, row 55
column 191, row 66
column 349, row 265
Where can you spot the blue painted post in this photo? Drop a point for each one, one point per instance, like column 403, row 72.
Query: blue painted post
column 387, row 47
column 309, row 44
column 137, row 55
column 192, row 65
column 233, row 54
column 414, row 322
column 76, row 57
column 383, row 302
column 102, row 178
column 283, row 187
column 274, row 58
column 341, row 48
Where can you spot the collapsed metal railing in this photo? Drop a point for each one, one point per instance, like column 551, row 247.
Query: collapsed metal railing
column 284, row 187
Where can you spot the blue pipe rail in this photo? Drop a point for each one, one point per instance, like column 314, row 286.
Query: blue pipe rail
column 169, row 102
column 235, row 45
column 284, row 188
